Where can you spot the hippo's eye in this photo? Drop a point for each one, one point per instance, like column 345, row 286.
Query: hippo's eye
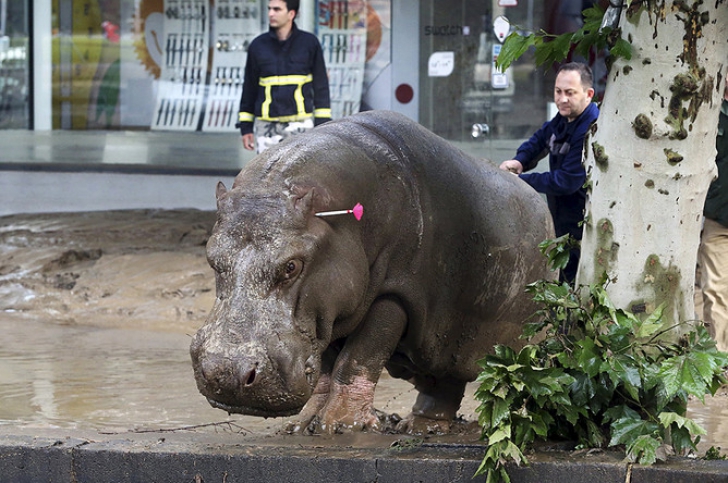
column 291, row 270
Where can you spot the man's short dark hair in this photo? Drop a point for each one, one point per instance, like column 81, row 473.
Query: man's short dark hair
column 293, row 5
column 587, row 79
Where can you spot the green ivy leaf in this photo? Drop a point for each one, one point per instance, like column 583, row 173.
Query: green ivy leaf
column 513, row 48
column 620, row 412
column 594, row 436
column 554, row 51
column 626, row 430
column 651, row 324
column 595, row 365
column 512, row 452
column 690, row 372
column 587, row 357
column 621, row 48
column 682, row 440
column 624, row 370
column 593, row 16
column 506, row 354
column 500, row 411
column 502, row 434
column 643, row 449
column 532, row 328
column 668, row 418
column 582, row 389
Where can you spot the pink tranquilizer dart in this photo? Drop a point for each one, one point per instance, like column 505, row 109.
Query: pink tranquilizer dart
column 357, row 211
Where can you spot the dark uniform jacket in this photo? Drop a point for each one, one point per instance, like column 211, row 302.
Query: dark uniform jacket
column 284, row 81
column 716, row 203
column 563, row 184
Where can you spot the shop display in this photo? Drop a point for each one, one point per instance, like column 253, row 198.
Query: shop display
column 182, row 81
column 342, row 31
column 236, row 24
column 194, row 52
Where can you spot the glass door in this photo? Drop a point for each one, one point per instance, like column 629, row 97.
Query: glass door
column 14, row 65
column 483, row 111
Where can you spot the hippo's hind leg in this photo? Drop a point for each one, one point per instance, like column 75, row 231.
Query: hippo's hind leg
column 436, row 407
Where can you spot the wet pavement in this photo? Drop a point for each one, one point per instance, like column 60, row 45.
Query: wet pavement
column 125, row 380
column 120, row 380
column 96, row 316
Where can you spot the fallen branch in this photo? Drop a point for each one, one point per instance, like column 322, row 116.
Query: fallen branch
column 231, row 425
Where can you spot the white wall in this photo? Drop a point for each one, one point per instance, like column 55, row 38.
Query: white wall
column 406, row 54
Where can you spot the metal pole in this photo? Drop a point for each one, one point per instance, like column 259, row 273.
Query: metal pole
column 3, row 16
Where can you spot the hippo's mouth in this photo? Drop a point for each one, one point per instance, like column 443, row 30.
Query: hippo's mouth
column 253, row 411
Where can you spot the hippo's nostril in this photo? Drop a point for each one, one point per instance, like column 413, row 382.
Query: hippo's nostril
column 250, row 378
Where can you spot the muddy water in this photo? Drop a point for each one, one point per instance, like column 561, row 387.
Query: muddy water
column 124, row 379
column 96, row 313
column 117, row 379
column 81, row 377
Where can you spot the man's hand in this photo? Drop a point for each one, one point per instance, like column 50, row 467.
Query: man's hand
column 249, row 141
column 512, row 165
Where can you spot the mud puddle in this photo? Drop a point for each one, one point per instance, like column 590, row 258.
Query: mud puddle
column 96, row 315
column 119, row 380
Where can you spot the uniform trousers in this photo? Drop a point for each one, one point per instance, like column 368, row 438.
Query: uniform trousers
column 269, row 133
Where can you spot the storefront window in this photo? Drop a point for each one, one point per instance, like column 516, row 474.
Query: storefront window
column 14, row 65
column 178, row 64
column 460, row 86
column 510, row 104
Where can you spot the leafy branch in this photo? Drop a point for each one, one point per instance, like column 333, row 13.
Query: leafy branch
column 551, row 48
column 599, row 377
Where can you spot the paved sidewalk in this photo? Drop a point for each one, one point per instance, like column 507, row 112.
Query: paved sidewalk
column 349, row 458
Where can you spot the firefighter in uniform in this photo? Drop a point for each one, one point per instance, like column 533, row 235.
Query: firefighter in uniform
column 286, row 89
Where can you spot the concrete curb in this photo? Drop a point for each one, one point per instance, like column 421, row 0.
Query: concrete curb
column 231, row 458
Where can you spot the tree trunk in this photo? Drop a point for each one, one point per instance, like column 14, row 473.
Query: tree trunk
column 651, row 155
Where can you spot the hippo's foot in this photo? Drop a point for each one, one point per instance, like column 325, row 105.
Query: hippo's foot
column 436, row 407
column 347, row 407
column 413, row 424
column 312, row 407
column 422, row 425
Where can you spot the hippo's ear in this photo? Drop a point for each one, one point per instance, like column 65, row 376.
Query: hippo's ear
column 220, row 190
column 304, row 205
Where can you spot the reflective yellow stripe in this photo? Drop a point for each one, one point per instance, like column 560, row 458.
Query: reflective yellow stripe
column 265, row 107
column 322, row 113
column 293, row 118
column 246, row 117
column 285, row 80
column 298, row 96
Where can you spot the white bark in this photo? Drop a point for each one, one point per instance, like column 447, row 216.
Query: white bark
column 644, row 212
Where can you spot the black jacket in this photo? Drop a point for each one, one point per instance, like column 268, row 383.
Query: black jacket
column 563, row 184
column 284, row 81
column 716, row 204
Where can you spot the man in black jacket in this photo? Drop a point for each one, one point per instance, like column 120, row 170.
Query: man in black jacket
column 563, row 139
column 286, row 88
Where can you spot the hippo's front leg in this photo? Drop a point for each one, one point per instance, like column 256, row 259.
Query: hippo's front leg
column 317, row 400
column 349, row 404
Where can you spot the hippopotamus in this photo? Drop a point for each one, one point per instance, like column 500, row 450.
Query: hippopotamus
column 311, row 309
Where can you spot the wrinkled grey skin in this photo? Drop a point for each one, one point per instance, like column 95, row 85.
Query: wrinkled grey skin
column 309, row 310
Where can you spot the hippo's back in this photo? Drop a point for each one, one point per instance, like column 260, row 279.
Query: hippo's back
column 477, row 241
column 459, row 236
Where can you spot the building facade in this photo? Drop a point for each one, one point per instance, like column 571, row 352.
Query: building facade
column 177, row 65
